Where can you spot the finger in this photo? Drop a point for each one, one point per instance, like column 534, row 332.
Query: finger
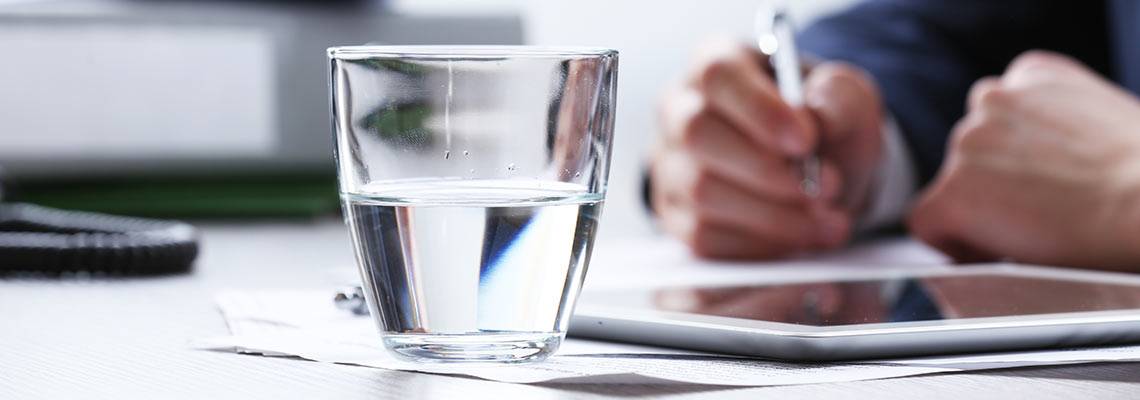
column 833, row 226
column 938, row 220
column 701, row 299
column 985, row 91
column 777, row 304
column 678, row 222
column 714, row 241
column 784, row 225
column 725, row 152
column 1036, row 66
column 735, row 86
column 686, row 198
column 844, row 101
column 963, row 251
column 1042, row 59
column 831, row 181
column 670, row 174
column 928, row 219
column 678, row 299
column 680, row 106
column 828, row 298
column 985, row 133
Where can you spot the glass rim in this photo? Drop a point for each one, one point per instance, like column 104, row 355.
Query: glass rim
column 445, row 52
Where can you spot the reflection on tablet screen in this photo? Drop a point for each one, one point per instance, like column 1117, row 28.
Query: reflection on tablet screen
column 900, row 300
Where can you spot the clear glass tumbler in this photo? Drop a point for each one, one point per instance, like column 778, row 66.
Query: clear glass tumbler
column 472, row 180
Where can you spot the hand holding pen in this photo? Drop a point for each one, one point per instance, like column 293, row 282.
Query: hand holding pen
column 742, row 171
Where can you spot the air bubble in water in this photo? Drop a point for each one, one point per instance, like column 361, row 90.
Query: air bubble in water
column 465, row 152
column 577, row 174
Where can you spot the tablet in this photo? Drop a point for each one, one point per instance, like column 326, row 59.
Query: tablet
column 889, row 314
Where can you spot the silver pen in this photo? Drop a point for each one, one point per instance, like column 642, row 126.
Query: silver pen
column 776, row 37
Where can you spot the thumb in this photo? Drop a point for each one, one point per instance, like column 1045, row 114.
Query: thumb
column 846, row 106
column 844, row 101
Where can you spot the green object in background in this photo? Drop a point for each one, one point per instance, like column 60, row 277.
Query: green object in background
column 190, row 197
column 409, row 69
column 403, row 123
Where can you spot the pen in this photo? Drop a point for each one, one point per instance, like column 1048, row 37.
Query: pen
column 776, row 38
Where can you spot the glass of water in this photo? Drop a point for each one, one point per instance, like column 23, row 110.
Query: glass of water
column 472, row 180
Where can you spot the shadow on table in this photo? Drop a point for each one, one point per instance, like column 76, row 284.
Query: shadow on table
column 637, row 390
column 1124, row 372
column 621, row 385
column 414, row 385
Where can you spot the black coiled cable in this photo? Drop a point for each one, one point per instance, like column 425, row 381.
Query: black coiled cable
column 36, row 239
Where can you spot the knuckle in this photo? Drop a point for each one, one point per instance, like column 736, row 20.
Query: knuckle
column 1035, row 58
column 839, row 71
column 994, row 97
column 845, row 76
column 974, row 134
column 724, row 58
column 711, row 71
column 1036, row 66
column 683, row 114
column 741, row 54
column 667, row 101
column 843, row 98
column 693, row 124
column 701, row 189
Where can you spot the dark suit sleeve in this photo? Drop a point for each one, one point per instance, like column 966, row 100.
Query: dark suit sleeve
column 925, row 54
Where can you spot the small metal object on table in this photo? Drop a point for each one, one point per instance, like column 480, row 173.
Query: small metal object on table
column 351, row 299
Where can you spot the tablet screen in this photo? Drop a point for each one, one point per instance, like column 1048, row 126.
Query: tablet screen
column 899, row 300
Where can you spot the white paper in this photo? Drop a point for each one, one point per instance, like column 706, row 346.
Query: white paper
column 651, row 262
column 305, row 324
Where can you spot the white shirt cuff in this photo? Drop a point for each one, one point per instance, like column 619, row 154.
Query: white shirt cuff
column 894, row 184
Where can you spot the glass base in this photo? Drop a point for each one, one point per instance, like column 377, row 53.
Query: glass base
column 475, row 347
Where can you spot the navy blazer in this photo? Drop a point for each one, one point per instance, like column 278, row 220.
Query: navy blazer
column 925, row 54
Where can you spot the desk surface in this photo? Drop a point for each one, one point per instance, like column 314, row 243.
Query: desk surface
column 127, row 338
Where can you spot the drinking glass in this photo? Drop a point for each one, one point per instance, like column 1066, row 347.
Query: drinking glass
column 472, row 180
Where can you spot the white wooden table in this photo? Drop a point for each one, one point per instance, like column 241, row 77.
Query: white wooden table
column 127, row 338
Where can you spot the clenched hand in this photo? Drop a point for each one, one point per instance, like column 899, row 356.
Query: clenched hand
column 1044, row 168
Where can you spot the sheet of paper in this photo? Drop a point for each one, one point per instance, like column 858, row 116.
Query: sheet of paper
column 305, row 324
column 626, row 368
column 1027, row 358
column 655, row 262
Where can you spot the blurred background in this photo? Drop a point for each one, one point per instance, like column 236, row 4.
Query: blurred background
column 219, row 108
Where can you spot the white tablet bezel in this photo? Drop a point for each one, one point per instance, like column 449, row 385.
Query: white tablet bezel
column 591, row 319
